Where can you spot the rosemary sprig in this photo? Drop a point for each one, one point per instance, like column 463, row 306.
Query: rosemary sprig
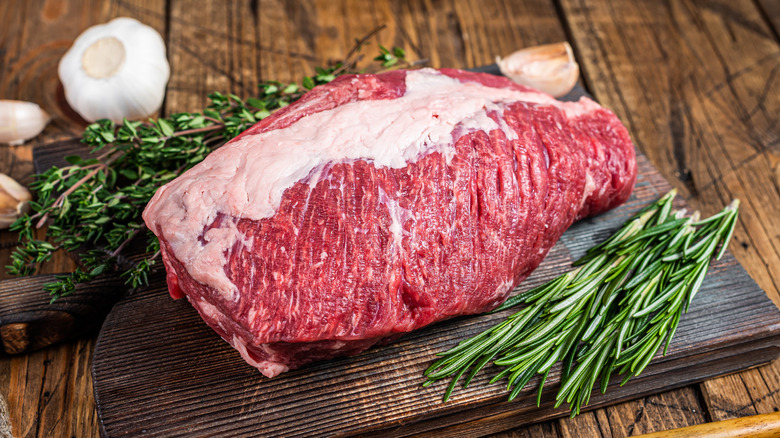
column 611, row 314
column 93, row 206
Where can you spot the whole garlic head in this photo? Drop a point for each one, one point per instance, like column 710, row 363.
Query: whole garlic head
column 550, row 68
column 115, row 70
column 20, row 121
column 14, row 199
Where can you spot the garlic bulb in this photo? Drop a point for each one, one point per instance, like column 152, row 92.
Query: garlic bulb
column 115, row 70
column 20, row 121
column 14, row 199
column 550, row 68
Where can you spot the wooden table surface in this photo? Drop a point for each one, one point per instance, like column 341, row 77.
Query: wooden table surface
column 696, row 83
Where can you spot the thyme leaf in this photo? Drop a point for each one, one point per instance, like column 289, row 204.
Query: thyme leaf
column 93, row 206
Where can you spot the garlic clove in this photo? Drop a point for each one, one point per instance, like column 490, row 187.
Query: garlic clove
column 10, row 187
column 550, row 68
column 116, row 70
column 14, row 200
column 20, row 121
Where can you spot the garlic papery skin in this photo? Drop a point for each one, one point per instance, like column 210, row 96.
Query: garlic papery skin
column 550, row 68
column 14, row 200
column 20, row 121
column 115, row 70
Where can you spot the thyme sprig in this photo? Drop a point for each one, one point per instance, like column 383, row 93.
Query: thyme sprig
column 93, row 206
column 611, row 314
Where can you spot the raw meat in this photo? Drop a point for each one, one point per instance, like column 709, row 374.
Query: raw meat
column 379, row 204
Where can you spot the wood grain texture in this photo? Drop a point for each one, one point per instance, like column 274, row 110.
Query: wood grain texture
column 49, row 392
column 159, row 371
column 696, row 84
column 648, row 51
column 28, row 321
column 756, row 426
column 292, row 37
column 28, row 318
column 771, row 12
column 634, row 61
column 653, row 413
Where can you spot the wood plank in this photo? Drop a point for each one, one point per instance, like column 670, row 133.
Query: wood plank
column 771, row 12
column 309, row 41
column 709, row 120
column 478, row 43
column 295, row 37
column 212, row 46
column 546, row 430
column 545, row 28
column 29, row 321
column 657, row 412
column 710, row 123
column 752, row 392
column 293, row 66
column 50, row 392
column 155, row 352
column 662, row 411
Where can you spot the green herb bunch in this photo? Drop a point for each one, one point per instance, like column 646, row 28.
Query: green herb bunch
column 93, row 206
column 612, row 314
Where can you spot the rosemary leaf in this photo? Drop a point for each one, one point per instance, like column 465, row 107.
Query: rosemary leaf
column 610, row 315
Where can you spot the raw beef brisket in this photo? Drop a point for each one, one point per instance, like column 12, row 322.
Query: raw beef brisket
column 378, row 204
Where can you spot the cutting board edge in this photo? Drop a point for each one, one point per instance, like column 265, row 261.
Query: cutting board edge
column 764, row 354
column 761, row 346
column 654, row 181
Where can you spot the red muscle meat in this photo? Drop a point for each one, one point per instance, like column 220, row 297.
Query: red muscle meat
column 379, row 204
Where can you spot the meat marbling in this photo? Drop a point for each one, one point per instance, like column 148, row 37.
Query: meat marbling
column 379, row 204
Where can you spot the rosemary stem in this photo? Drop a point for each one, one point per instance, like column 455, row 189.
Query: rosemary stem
column 610, row 314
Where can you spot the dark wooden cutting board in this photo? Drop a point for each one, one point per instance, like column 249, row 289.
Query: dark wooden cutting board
column 160, row 371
